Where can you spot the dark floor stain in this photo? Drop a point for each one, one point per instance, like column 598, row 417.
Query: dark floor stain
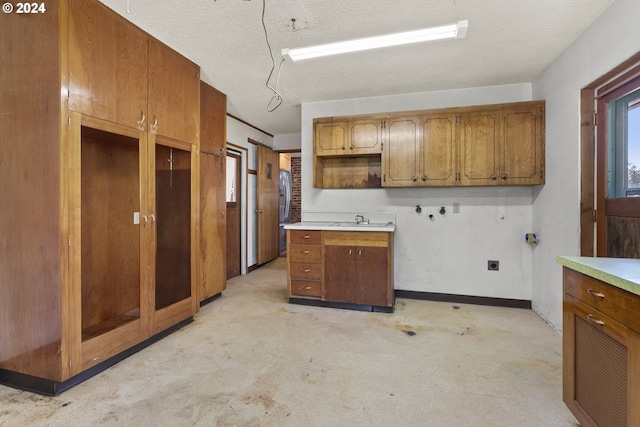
column 410, row 333
column 66, row 404
column 466, row 331
column 455, row 307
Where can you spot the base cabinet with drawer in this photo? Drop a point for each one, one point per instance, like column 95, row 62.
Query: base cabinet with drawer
column 348, row 269
column 304, row 263
column 601, row 351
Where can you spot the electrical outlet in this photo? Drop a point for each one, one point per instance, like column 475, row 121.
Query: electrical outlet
column 493, row 265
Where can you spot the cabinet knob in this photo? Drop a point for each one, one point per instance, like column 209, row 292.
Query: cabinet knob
column 145, row 220
column 152, row 218
column 414, row 179
column 504, row 177
column 154, row 125
column 424, row 179
column 493, row 178
column 351, row 148
column 343, row 148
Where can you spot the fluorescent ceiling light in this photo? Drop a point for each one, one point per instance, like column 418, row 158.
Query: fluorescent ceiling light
column 457, row 31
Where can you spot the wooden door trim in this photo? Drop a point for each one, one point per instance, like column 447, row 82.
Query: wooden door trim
column 590, row 162
column 626, row 207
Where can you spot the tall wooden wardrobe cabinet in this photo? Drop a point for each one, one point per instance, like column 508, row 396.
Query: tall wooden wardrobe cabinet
column 213, row 200
column 99, row 126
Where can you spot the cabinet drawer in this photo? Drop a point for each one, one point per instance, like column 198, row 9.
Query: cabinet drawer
column 305, row 253
column 305, row 237
column 303, row 270
column 310, row 288
column 616, row 303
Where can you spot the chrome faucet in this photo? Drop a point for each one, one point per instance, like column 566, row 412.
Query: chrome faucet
column 361, row 220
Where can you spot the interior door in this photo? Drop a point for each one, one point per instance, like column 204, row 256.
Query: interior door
column 267, row 204
column 233, row 215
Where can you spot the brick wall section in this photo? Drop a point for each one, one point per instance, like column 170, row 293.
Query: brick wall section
column 296, row 184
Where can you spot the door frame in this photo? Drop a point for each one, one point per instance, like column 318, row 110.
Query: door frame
column 592, row 154
column 243, row 173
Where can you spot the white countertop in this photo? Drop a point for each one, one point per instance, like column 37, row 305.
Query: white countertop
column 342, row 226
column 623, row 273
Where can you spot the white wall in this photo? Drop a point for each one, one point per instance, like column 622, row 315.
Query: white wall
column 239, row 133
column 613, row 37
column 450, row 253
column 286, row 142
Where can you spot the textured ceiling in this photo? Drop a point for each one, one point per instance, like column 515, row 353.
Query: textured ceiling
column 508, row 41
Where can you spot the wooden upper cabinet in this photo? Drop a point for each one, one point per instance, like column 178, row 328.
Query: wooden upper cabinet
column 522, row 152
column 107, row 65
column 347, row 137
column 438, row 150
column 400, row 155
column 213, row 120
column 174, row 94
column 488, row 145
column 330, row 137
column 479, row 145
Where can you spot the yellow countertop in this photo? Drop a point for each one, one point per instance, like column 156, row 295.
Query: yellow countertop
column 623, row 273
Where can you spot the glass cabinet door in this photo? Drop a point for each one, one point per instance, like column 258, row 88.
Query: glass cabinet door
column 173, row 225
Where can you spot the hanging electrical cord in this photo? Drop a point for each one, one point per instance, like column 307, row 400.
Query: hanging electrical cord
column 276, row 99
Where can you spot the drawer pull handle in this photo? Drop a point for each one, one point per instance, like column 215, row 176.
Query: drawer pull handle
column 306, row 270
column 594, row 320
column 308, row 288
column 305, row 252
column 306, row 236
column 595, row 293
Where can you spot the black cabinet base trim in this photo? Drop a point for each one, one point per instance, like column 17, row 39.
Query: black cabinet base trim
column 343, row 305
column 465, row 299
column 210, row 299
column 52, row 388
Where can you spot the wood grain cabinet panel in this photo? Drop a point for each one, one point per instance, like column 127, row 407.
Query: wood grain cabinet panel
column 174, row 94
column 113, row 206
column 108, row 59
column 401, row 154
column 213, row 205
column 479, row 148
column 601, row 352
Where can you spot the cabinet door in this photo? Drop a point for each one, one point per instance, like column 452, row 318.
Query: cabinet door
column 108, row 274
column 107, row 65
column 213, row 226
column 600, row 359
column 174, row 94
column 339, row 273
column 365, row 137
column 522, row 146
column 213, row 121
column 479, row 147
column 172, row 213
column 330, row 137
column 372, row 279
column 438, row 164
column 401, row 152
